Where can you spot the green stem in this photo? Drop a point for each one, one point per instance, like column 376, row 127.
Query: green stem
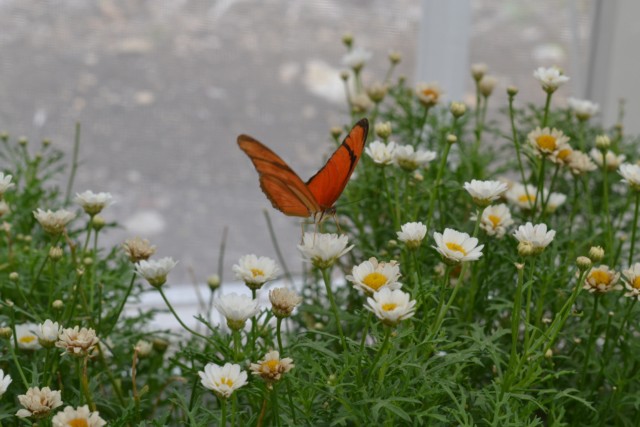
column 223, row 418
column 634, row 227
column 394, row 208
column 237, row 345
column 381, row 351
column 118, row 312
column 434, row 191
column 516, row 143
column 326, row 276
column 278, row 334
column 546, row 109
column 170, row 307
column 74, row 163
column 605, row 205
column 592, row 336
column 527, row 329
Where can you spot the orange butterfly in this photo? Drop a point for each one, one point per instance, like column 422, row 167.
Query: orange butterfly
column 288, row 193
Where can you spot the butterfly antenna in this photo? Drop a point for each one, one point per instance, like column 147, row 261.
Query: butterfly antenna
column 335, row 218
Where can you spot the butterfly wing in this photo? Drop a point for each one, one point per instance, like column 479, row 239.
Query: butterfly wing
column 282, row 186
column 329, row 182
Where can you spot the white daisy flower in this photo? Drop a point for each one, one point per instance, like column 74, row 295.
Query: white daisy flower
column 631, row 282
column 631, row 175
column 580, row 163
column 255, row 271
column 356, row 58
column 428, row 94
column 548, row 141
column 156, row 271
column 555, row 201
column 550, row 78
column 236, row 309
column 381, row 153
column 77, row 341
column 93, row 203
column 613, row 160
column 5, row 183
column 5, row 380
column 53, row 222
column 271, row 368
column 495, row 220
column 223, row 380
column 410, row 159
column 283, row 301
column 391, row 306
column 583, row 109
column 602, row 280
column 27, row 337
column 412, row 234
column 456, row 246
column 80, row 416
column 323, row 249
column 47, row 333
column 485, row 192
column 38, row 403
column 522, row 196
column 371, row 275
column 534, row 237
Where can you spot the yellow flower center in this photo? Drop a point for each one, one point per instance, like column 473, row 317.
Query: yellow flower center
column 255, row 272
column 389, row 306
column 375, row 280
column 456, row 247
column 495, row 220
column 271, row 365
column 27, row 339
column 531, row 198
column 430, row 93
column 600, row 277
column 226, row 381
column 563, row 154
column 636, row 282
column 546, row 142
column 78, row 422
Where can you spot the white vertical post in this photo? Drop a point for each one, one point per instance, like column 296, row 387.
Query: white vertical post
column 443, row 45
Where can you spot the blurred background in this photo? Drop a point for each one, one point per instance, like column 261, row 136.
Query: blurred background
column 162, row 88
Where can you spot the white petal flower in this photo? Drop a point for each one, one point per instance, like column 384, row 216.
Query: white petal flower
column 410, row 159
column 631, row 281
column 356, row 58
column 456, row 247
column 255, row 271
column 223, row 380
column 283, row 301
column 47, row 333
column 583, row 108
column 236, row 309
column 522, row 196
column 156, row 271
column 271, row 368
column 548, row 141
column 371, row 275
column 5, row 380
column 428, row 94
column 5, row 183
column 380, row 152
column 631, row 175
column 77, row 341
column 495, row 220
column 613, row 160
column 38, row 403
column 485, row 192
column 80, row 416
column 550, row 78
column 54, row 222
column 391, row 306
column 412, row 234
column 93, row 203
column 27, row 337
column 602, row 280
column 323, row 249
column 555, row 201
column 580, row 163
column 536, row 237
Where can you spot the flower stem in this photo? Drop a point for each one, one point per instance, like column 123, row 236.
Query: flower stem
column 164, row 297
column 223, row 418
column 434, row 192
column 605, row 206
column 278, row 333
column 236, row 345
column 546, row 109
column 118, row 312
column 592, row 336
column 327, row 284
column 381, row 350
column 634, row 228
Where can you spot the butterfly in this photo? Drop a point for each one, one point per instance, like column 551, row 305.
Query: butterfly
column 315, row 198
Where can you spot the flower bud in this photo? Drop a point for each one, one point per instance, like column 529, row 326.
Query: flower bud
column 336, row 131
column 486, row 85
column 478, row 71
column 14, row 276
column 57, row 304
column 6, row 332
column 383, row 130
column 596, row 253
column 458, row 109
column 347, row 39
column 143, row 348
column 395, row 57
column 377, row 92
column 55, row 253
column 46, row 142
column 548, row 354
column 98, row 222
column 512, row 91
column 583, row 263
column 160, row 345
column 603, row 142
column 452, row 139
column 525, row 249
column 344, row 75
column 213, row 282
column 23, row 141
column 87, row 261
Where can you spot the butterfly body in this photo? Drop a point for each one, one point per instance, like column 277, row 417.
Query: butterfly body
column 315, row 198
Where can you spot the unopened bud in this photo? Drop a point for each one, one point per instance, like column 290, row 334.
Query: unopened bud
column 548, row 354
column 55, row 253
column 336, row 131
column 143, row 348
column 23, row 141
column 213, row 282
column 344, row 75
column 603, row 142
column 97, row 222
column 383, row 130
column 14, row 276
column 347, row 39
column 417, row 176
column 486, row 85
column 6, row 332
column 596, row 253
column 583, row 263
column 395, row 57
column 377, row 92
column 512, row 91
column 46, row 142
column 525, row 249
column 87, row 261
column 160, row 345
column 57, row 304
column 452, row 139
column 478, row 71
column 458, row 109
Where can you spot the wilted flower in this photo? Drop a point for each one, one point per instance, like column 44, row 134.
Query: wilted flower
column 391, row 306
column 356, row 58
column 613, row 160
column 80, row 417
column 323, row 249
column 548, row 141
column 380, row 152
column 236, row 309
column 255, row 271
column 77, row 341
column 53, row 222
column 271, row 368
column 5, row 380
column 583, row 109
column 550, row 78
column 27, row 337
column 377, row 92
column 411, row 159
column 93, row 203
column 412, row 234
column 631, row 279
column 631, row 175
column 5, row 183
column 222, row 380
column 602, row 279
column 535, row 237
column 485, row 192
column 138, row 249
column 456, row 247
column 283, row 301
column 371, row 275
column 428, row 94
column 38, row 403
column 156, row 271
column 579, row 163
column 47, row 333
column 495, row 220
